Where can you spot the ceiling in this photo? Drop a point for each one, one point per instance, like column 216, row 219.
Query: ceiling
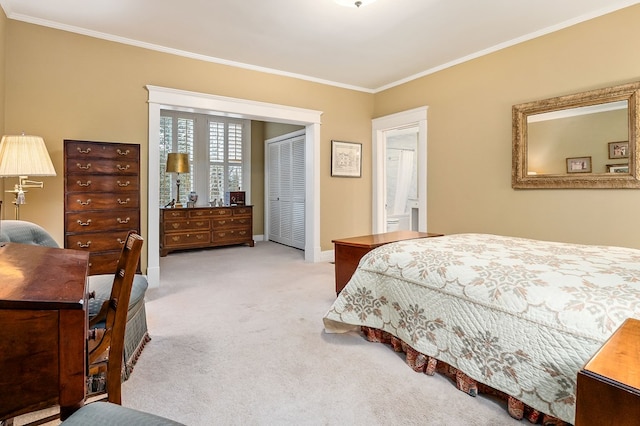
column 368, row 48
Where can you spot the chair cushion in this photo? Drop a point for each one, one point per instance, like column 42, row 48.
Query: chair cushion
column 108, row 414
column 101, row 284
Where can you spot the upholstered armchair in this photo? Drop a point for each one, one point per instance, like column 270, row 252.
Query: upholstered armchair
column 20, row 231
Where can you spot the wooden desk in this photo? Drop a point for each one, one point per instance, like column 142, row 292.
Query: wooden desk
column 608, row 389
column 43, row 328
column 349, row 251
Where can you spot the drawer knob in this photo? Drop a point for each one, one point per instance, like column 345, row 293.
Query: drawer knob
column 86, row 151
column 175, row 225
column 222, row 222
column 80, row 166
column 123, row 220
column 84, row 203
column 200, row 237
column 81, row 223
column 123, row 168
column 85, row 245
column 120, row 152
column 84, row 184
column 124, row 201
column 120, row 240
column 123, row 184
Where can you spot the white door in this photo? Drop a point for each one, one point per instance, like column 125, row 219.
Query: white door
column 286, row 189
column 400, row 171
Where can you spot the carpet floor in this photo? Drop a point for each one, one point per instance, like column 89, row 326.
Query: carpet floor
column 237, row 339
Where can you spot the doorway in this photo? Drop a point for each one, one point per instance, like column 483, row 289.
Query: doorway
column 400, row 171
column 173, row 99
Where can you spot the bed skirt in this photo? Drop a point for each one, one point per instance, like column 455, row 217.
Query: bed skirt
column 428, row 365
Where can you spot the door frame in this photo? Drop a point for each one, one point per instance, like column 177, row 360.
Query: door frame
column 168, row 98
column 414, row 117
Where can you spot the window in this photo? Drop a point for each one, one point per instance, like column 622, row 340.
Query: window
column 223, row 141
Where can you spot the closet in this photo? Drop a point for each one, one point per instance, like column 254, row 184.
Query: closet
column 286, row 189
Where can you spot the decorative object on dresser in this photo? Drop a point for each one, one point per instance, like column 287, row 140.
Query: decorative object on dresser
column 202, row 227
column 177, row 163
column 23, row 156
column 102, row 199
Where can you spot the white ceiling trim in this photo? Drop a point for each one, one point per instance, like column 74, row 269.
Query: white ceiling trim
column 613, row 6
column 177, row 52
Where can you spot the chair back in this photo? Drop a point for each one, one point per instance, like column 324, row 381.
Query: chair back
column 114, row 313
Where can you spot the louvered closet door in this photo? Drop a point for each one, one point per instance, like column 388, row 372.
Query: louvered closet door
column 287, row 192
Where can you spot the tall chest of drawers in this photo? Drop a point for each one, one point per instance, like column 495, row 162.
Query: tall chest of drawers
column 102, row 199
column 202, row 227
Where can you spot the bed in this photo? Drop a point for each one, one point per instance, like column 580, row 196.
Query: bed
column 511, row 316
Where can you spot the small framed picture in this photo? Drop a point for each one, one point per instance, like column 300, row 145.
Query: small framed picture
column 346, row 159
column 619, row 149
column 617, row 168
column 579, row 165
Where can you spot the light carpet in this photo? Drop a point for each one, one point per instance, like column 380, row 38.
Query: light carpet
column 237, row 339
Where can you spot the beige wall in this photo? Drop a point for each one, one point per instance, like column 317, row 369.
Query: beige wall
column 469, row 135
column 62, row 85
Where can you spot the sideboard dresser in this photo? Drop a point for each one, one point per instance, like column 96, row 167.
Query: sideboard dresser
column 201, row 227
column 102, row 199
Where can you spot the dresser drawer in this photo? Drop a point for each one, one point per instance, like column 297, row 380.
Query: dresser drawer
column 168, row 214
column 102, row 201
column 232, row 236
column 242, row 211
column 98, row 221
column 220, row 224
column 96, row 241
column 196, row 213
column 186, row 225
column 104, row 262
column 186, row 239
column 92, row 150
column 93, row 183
column 102, row 166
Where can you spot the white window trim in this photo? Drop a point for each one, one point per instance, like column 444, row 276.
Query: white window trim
column 167, row 98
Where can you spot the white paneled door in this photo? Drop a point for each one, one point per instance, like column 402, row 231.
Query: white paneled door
column 286, row 189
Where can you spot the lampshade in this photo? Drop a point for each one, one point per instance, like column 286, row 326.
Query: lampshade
column 24, row 155
column 177, row 163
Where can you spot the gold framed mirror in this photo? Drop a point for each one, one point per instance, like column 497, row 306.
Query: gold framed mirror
column 584, row 140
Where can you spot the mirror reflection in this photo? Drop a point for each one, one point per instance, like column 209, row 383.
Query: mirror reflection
column 579, row 133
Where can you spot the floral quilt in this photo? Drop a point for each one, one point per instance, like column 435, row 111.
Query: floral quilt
column 519, row 315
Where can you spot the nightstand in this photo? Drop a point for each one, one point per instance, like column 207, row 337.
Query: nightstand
column 608, row 390
column 349, row 251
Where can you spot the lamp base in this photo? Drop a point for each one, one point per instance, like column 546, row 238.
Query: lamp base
column 178, row 206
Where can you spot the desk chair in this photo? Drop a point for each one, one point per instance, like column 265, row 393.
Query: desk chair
column 106, row 345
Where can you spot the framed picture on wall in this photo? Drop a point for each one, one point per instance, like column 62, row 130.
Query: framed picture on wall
column 619, row 149
column 579, row 165
column 346, row 159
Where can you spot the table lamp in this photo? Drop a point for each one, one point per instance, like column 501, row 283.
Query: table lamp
column 24, row 156
column 177, row 163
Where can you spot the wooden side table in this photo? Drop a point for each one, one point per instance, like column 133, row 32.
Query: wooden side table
column 349, row 251
column 608, row 388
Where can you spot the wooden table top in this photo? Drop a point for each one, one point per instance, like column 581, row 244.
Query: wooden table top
column 376, row 240
column 618, row 359
column 37, row 277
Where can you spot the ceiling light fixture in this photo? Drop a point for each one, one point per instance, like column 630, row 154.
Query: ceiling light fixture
column 352, row 3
